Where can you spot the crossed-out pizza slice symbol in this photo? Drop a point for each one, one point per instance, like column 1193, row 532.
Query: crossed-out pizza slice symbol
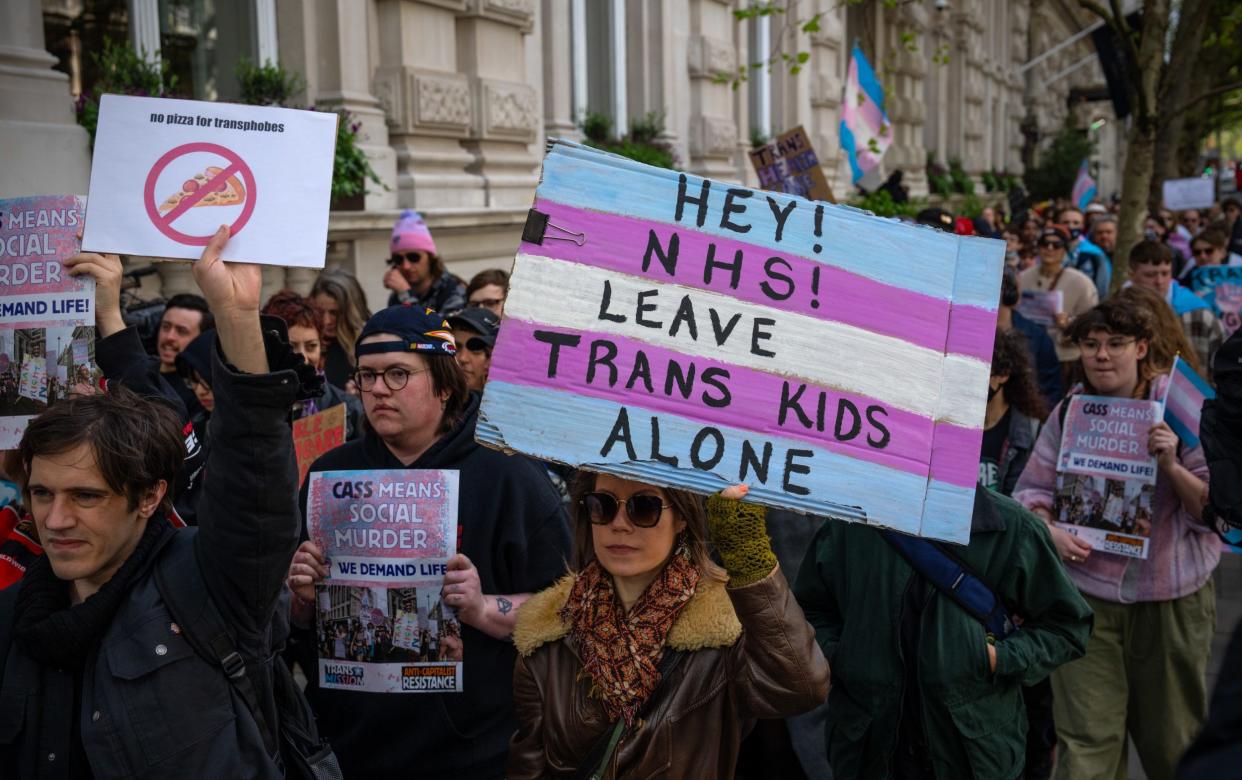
column 221, row 190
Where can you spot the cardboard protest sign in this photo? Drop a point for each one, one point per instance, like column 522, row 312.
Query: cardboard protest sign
column 44, row 311
column 789, row 165
column 1221, row 287
column 315, row 434
column 1041, row 307
column 695, row 334
column 1105, row 476
column 167, row 173
column 1196, row 193
column 388, row 535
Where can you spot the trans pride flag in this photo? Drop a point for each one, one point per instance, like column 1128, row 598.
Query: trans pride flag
column 1183, row 401
column 865, row 130
column 704, row 334
column 1084, row 186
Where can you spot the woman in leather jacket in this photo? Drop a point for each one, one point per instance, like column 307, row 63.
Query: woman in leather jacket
column 651, row 658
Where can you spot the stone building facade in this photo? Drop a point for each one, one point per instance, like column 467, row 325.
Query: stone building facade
column 455, row 98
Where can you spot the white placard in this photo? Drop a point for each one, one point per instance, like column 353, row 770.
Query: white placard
column 168, row 173
column 1197, row 193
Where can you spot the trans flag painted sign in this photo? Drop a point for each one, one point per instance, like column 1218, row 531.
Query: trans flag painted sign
column 691, row 333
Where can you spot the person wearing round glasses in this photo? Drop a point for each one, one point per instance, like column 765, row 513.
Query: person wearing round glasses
column 1144, row 670
column 513, row 541
column 649, row 659
column 1078, row 292
column 416, row 274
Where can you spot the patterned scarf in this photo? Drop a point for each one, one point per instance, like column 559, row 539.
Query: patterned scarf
column 620, row 652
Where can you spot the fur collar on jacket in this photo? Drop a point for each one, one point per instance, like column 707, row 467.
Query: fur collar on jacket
column 707, row 619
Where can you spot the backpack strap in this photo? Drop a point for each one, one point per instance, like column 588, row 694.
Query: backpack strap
column 954, row 578
column 179, row 578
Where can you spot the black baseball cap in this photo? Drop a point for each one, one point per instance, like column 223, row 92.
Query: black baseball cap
column 480, row 320
column 935, row 217
column 420, row 329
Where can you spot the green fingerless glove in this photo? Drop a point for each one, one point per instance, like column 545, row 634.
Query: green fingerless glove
column 741, row 537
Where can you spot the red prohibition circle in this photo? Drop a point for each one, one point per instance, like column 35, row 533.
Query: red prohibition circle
column 164, row 225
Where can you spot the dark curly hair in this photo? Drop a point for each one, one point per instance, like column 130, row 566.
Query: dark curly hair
column 1011, row 355
column 1120, row 316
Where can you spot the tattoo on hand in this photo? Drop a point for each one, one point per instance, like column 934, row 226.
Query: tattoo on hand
column 504, row 605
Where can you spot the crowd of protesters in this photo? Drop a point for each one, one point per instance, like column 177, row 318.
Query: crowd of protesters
column 606, row 627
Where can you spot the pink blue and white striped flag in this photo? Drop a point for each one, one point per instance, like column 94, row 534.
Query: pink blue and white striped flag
column 1084, row 186
column 1183, row 401
column 865, row 130
column 693, row 333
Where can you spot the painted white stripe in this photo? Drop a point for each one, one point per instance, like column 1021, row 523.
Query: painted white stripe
column 568, row 295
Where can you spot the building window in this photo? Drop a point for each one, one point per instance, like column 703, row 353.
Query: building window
column 201, row 40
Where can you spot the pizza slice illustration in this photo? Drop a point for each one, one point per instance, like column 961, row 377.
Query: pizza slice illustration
column 226, row 191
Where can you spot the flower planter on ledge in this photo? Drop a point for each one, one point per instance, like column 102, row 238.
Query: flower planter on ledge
column 350, row 202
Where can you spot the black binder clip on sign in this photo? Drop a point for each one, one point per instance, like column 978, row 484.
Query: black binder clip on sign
column 537, row 230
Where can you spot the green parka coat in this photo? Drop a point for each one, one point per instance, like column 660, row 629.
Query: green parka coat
column 852, row 586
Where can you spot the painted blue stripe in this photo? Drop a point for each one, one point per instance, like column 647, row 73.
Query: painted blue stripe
column 980, row 266
column 912, row 257
column 867, row 81
column 550, row 424
column 1193, row 377
column 848, row 144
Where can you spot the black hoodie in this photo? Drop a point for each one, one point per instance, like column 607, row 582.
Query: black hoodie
column 513, row 528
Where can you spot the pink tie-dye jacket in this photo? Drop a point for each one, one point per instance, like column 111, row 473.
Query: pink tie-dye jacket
column 1182, row 553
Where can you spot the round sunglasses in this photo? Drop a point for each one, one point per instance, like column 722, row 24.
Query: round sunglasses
column 643, row 510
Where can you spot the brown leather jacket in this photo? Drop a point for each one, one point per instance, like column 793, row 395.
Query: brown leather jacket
column 750, row 654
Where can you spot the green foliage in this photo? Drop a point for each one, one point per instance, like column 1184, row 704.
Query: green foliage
column 961, row 180
column 971, row 206
column 122, row 71
column 938, row 179
column 596, row 127
column 758, row 138
column 881, row 204
column 990, row 182
column 351, row 170
column 266, row 85
column 647, row 128
column 639, row 144
column 1053, row 176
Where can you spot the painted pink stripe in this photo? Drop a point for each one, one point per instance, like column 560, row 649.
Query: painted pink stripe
column 754, row 406
column 955, row 454
column 620, row 243
column 972, row 331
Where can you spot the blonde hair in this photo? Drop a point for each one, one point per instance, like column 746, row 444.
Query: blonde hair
column 342, row 286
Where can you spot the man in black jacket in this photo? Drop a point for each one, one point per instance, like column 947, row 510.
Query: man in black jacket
column 513, row 539
column 98, row 678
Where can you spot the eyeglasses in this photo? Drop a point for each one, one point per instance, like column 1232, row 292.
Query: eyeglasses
column 488, row 303
column 1051, row 245
column 643, row 510
column 413, row 258
column 476, row 344
column 1202, row 251
column 395, row 377
column 1113, row 347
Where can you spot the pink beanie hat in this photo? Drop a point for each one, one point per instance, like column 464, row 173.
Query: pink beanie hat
column 410, row 234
